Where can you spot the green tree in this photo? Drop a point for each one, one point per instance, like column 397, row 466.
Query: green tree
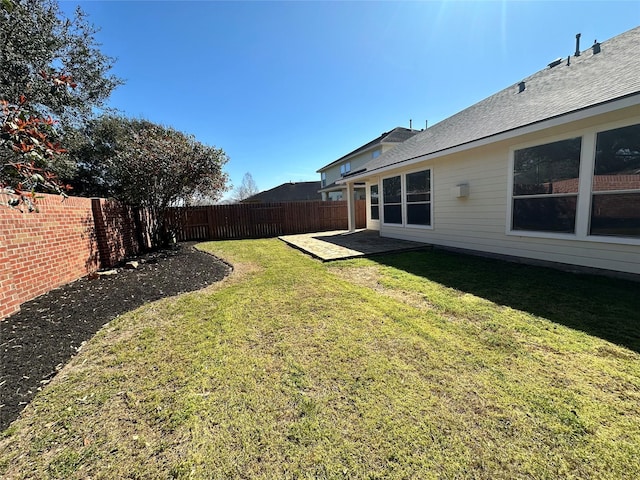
column 149, row 166
column 27, row 139
column 52, row 78
column 42, row 52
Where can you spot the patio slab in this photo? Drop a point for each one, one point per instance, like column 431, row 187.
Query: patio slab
column 342, row 244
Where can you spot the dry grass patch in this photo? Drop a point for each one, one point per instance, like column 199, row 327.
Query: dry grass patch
column 370, row 276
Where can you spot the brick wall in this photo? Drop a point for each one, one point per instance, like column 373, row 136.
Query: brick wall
column 63, row 242
column 116, row 231
column 616, row 182
column 601, row 183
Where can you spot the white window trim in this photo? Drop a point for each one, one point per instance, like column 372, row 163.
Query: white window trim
column 403, row 200
column 370, row 203
column 383, row 221
column 585, row 183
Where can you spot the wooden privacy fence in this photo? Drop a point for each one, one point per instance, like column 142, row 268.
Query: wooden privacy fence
column 261, row 220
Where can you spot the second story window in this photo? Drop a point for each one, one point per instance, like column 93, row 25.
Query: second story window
column 375, row 153
column 345, row 168
column 323, row 176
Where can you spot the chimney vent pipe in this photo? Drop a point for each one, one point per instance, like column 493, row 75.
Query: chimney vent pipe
column 521, row 87
column 578, row 45
column 596, row 47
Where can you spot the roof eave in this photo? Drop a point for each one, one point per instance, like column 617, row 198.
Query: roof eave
column 354, row 154
column 580, row 114
column 331, row 188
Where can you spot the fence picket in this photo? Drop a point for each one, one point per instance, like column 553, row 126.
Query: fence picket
column 260, row 220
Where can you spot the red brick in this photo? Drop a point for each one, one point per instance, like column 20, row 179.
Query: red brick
column 62, row 238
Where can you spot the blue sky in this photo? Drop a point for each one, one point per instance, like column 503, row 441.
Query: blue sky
column 288, row 87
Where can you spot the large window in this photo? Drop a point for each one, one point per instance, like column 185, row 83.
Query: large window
column 345, row 168
column 418, row 197
column 323, row 177
column 615, row 203
column 375, row 202
column 550, row 196
column 406, row 199
column 545, row 187
column 392, row 199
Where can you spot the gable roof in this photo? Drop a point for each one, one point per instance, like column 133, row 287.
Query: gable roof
column 589, row 80
column 288, row 192
column 397, row 135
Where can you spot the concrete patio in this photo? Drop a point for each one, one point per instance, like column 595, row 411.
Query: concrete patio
column 342, row 244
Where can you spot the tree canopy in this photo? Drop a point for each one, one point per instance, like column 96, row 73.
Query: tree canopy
column 147, row 165
column 42, row 52
column 52, row 78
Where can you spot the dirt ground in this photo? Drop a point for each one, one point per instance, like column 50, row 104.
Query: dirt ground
column 39, row 339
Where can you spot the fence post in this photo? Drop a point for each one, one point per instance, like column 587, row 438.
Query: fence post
column 210, row 223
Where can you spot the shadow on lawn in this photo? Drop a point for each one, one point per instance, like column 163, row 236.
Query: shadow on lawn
column 604, row 307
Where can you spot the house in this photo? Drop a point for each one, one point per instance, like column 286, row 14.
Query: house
column 354, row 161
column 545, row 170
column 288, row 192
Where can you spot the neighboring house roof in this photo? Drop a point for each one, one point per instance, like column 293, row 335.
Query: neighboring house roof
column 397, row 135
column 589, row 80
column 288, row 192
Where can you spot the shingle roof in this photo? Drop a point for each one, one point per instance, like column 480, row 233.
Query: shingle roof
column 288, row 192
column 397, row 135
column 590, row 79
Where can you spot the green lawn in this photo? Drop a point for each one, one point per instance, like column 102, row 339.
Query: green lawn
column 418, row 365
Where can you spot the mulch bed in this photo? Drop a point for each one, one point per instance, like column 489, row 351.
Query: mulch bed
column 37, row 341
